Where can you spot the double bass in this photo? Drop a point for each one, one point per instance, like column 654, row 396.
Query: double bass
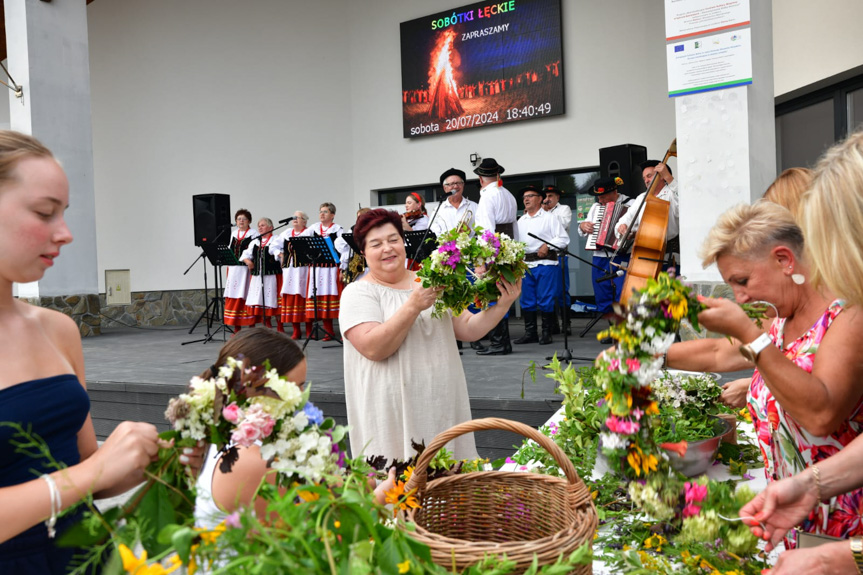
column 648, row 251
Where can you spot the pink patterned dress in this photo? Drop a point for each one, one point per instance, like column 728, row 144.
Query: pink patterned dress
column 788, row 449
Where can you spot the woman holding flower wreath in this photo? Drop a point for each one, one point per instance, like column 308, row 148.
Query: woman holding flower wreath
column 42, row 385
column 806, row 395
column 404, row 380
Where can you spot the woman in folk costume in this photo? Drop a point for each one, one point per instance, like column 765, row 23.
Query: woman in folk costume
column 237, row 281
column 326, row 277
column 263, row 299
column 295, row 278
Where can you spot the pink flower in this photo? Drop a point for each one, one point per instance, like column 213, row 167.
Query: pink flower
column 246, row 434
column 632, row 364
column 614, row 364
column 257, row 424
column 636, row 413
column 509, row 460
column 622, row 426
column 691, row 510
column 233, row 520
column 232, row 413
column 695, row 492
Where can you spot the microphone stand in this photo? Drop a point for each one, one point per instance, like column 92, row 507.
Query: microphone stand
column 566, row 355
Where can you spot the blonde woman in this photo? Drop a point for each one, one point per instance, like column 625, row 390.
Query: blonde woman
column 806, row 394
column 831, row 218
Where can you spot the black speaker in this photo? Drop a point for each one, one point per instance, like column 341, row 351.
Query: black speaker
column 624, row 161
column 212, row 213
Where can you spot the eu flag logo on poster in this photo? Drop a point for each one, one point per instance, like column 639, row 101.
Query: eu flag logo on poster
column 678, row 48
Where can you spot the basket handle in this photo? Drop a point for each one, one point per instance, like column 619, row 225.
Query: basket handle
column 420, row 474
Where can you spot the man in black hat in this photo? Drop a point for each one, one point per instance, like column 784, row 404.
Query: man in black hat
column 456, row 205
column 542, row 284
column 455, row 208
column 552, row 205
column 497, row 211
column 497, row 206
column 608, row 291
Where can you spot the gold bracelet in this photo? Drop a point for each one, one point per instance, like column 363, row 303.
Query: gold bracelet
column 816, row 473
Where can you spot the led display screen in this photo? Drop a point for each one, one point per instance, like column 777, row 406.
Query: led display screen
column 481, row 64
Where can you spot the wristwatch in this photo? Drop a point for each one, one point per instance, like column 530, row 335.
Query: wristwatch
column 857, row 551
column 751, row 350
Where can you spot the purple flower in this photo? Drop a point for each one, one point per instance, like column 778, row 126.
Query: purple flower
column 455, row 254
column 315, row 415
column 510, row 460
column 233, row 520
column 491, row 239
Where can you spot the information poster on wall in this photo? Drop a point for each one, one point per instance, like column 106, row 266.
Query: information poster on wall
column 481, row 64
column 583, row 203
column 686, row 18
column 710, row 63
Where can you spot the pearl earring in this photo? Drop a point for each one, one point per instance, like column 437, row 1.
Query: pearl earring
column 798, row 279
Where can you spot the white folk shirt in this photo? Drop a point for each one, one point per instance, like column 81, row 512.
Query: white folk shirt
column 448, row 216
column 496, row 206
column 563, row 213
column 546, row 226
column 669, row 194
column 591, row 214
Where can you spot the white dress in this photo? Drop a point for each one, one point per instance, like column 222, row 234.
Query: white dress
column 261, row 294
column 237, row 282
column 416, row 393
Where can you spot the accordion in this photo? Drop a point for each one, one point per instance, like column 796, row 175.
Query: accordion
column 605, row 219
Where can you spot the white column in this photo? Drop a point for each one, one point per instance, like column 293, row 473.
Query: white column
column 726, row 144
column 48, row 55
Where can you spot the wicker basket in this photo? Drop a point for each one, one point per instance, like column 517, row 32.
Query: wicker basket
column 462, row 518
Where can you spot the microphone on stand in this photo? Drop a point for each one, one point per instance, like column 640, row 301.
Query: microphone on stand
column 286, row 220
column 610, row 275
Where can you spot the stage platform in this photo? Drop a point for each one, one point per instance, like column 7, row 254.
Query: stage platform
column 133, row 372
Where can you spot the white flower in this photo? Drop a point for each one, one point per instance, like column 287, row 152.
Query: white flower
column 610, row 440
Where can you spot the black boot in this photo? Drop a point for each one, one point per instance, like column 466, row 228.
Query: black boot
column 477, row 346
column 500, row 344
column 547, row 320
column 529, row 329
column 555, row 327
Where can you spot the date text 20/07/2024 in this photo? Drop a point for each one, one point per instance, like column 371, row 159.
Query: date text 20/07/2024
column 471, row 120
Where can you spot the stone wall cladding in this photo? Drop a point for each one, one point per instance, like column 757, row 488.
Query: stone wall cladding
column 83, row 308
column 91, row 313
column 156, row 308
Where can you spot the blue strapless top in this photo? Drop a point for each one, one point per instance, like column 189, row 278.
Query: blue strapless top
column 55, row 409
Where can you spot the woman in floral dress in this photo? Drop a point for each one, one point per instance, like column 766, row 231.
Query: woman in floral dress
column 806, row 394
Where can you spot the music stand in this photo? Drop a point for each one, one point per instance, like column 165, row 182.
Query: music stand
column 419, row 245
column 218, row 256
column 315, row 252
column 349, row 239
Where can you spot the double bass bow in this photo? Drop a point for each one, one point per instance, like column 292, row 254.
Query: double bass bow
column 648, row 250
